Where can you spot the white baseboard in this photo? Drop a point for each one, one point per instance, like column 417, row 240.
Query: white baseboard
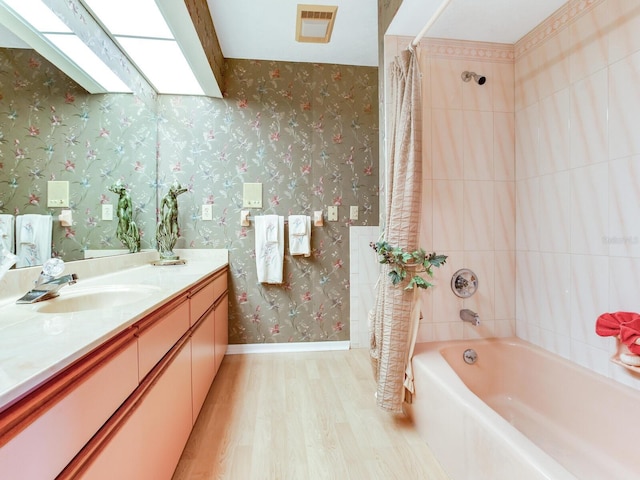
column 287, row 347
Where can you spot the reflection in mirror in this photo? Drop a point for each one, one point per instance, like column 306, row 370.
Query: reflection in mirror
column 52, row 129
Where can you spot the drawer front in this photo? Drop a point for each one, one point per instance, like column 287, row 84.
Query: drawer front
column 201, row 301
column 155, row 341
column 220, row 285
column 48, row 444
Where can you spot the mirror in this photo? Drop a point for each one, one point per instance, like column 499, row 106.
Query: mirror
column 52, row 129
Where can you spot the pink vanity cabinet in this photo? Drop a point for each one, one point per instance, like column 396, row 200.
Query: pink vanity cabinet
column 127, row 408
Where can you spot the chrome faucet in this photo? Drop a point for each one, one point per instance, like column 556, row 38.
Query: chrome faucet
column 47, row 285
column 470, row 316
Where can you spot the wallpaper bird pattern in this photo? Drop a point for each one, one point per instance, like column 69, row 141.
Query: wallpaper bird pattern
column 307, row 132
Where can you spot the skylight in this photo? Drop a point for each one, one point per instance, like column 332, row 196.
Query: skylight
column 149, row 44
column 34, row 22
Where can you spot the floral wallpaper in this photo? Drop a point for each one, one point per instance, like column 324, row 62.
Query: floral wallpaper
column 309, row 134
column 52, row 129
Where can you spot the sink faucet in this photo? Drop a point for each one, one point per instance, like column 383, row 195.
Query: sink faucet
column 470, row 316
column 47, row 285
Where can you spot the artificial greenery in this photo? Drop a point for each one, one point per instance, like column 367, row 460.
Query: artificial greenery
column 402, row 263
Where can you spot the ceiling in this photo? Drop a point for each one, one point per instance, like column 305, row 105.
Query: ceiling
column 246, row 29
column 253, row 29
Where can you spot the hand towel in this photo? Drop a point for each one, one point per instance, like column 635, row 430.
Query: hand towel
column 300, row 235
column 625, row 325
column 7, row 229
column 33, row 239
column 269, row 248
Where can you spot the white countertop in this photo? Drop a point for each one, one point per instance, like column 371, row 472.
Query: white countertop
column 34, row 345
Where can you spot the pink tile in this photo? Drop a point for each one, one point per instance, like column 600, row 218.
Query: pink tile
column 527, row 71
column 447, row 146
column 555, row 293
column 505, row 215
column 527, row 289
column 624, row 107
column 446, row 83
column 553, row 64
column 589, row 132
column 502, row 83
column 555, row 210
column 554, row 133
column 448, row 215
column 589, row 209
column 505, row 285
column 624, row 278
column 478, row 215
column 623, row 237
column 527, row 142
column 482, row 302
column 504, row 152
column 590, row 42
column 478, row 138
column 474, row 96
column 624, row 35
column 527, row 214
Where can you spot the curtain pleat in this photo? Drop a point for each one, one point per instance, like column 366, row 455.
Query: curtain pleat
column 392, row 329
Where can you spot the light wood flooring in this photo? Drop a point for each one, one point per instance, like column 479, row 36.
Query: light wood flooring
column 301, row 416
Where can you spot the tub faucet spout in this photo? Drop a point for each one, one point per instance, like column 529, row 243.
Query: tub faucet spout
column 470, row 316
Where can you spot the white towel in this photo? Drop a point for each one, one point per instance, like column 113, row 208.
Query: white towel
column 33, row 239
column 7, row 228
column 300, row 235
column 269, row 248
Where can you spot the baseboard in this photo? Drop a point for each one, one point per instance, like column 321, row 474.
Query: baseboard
column 287, row 347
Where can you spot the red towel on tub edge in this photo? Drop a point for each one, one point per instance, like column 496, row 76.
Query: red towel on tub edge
column 625, row 325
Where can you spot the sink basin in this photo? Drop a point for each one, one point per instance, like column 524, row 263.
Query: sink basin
column 96, row 298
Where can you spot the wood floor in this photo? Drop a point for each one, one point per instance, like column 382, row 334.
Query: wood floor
column 301, row 416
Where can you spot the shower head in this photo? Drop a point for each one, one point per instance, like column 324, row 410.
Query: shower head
column 479, row 79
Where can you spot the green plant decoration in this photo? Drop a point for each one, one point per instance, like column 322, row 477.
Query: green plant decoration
column 408, row 264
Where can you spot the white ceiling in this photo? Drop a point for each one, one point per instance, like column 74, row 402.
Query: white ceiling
column 259, row 30
column 254, row 29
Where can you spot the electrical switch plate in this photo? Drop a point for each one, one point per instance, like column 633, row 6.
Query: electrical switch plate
column 107, row 211
column 353, row 212
column 332, row 213
column 57, row 194
column 252, row 195
column 207, row 211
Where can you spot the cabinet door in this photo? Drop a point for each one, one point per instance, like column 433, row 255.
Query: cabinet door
column 203, row 367
column 222, row 329
column 150, row 441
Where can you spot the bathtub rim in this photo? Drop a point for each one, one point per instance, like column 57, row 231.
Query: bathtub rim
column 436, row 368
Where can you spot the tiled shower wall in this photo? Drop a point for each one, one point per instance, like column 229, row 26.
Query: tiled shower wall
column 577, row 84
column 468, row 183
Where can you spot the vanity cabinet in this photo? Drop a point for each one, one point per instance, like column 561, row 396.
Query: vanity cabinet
column 127, row 408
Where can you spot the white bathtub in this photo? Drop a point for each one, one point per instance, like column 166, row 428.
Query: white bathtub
column 521, row 412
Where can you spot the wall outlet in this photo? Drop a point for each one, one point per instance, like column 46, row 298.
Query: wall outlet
column 107, row 211
column 207, row 211
column 332, row 213
column 353, row 212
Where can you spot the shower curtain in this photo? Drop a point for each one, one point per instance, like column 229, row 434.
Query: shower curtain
column 394, row 319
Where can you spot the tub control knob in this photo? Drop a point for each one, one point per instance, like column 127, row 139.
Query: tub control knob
column 464, row 283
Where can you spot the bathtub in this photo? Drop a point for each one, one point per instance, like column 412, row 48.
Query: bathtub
column 521, row 412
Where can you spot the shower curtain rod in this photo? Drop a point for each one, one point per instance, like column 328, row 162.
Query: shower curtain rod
column 429, row 24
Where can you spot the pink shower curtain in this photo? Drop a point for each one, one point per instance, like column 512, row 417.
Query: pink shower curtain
column 392, row 326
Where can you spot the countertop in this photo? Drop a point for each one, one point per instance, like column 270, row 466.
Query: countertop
column 34, row 346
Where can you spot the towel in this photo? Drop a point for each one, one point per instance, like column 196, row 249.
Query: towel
column 300, row 235
column 7, row 228
column 33, row 239
column 269, row 248
column 625, row 325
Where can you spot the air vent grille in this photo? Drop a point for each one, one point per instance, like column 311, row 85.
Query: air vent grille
column 314, row 23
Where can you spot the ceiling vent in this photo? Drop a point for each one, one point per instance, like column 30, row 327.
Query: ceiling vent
column 315, row 23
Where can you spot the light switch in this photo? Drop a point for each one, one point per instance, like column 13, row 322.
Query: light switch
column 252, row 195
column 57, row 194
column 107, row 211
column 332, row 213
column 353, row 212
column 207, row 211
